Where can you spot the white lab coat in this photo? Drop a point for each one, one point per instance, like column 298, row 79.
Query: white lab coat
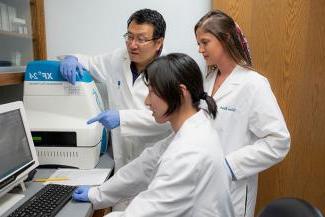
column 128, row 140
column 183, row 175
column 252, row 131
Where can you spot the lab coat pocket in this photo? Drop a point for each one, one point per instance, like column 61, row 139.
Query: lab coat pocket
column 114, row 90
column 115, row 83
column 239, row 193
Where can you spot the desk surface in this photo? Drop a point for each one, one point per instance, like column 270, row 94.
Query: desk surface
column 72, row 208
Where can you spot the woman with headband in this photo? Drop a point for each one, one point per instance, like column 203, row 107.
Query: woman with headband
column 250, row 124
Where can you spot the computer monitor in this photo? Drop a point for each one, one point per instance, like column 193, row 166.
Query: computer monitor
column 17, row 152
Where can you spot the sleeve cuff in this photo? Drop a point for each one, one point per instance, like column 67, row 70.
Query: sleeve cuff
column 92, row 197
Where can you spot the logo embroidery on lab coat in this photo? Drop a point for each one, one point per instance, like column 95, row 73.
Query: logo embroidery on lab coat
column 226, row 108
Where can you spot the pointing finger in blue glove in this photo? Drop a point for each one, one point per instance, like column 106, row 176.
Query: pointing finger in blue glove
column 81, row 193
column 110, row 119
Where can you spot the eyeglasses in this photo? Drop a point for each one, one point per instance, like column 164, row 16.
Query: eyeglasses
column 138, row 40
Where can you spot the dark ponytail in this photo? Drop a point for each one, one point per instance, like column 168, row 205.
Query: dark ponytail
column 212, row 106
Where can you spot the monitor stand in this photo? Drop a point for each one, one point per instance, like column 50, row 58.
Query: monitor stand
column 23, row 187
column 8, row 200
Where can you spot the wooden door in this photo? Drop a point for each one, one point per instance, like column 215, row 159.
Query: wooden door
column 287, row 40
column 38, row 25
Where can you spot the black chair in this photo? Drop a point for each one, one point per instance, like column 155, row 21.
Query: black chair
column 290, row 207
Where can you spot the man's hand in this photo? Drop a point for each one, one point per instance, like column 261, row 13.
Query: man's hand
column 70, row 68
column 110, row 119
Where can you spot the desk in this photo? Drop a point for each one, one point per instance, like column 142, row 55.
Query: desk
column 72, row 208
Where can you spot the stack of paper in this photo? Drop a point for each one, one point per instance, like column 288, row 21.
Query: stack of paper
column 76, row 177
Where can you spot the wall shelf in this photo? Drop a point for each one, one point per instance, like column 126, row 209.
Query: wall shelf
column 13, row 34
column 9, row 78
column 26, row 47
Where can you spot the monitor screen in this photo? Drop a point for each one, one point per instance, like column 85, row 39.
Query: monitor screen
column 17, row 152
column 14, row 150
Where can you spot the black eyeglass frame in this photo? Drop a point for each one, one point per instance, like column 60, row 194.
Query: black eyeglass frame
column 126, row 38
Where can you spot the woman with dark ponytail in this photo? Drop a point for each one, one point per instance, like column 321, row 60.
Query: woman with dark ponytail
column 184, row 174
column 192, row 178
column 250, row 124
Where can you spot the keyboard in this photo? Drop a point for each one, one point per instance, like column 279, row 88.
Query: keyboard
column 47, row 202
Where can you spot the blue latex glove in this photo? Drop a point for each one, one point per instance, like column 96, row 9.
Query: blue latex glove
column 70, row 68
column 81, row 193
column 110, row 119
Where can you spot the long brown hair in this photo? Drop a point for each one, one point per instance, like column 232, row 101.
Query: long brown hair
column 223, row 27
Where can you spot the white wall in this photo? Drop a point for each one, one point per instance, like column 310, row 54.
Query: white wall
column 96, row 26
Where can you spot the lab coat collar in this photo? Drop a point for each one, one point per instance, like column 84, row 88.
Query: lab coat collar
column 235, row 78
column 127, row 65
column 196, row 119
column 127, row 70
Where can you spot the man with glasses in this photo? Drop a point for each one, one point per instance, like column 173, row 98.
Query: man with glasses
column 131, row 123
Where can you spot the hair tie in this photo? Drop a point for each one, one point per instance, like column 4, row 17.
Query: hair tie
column 203, row 95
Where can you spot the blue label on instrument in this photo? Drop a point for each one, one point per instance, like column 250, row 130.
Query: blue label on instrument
column 49, row 70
